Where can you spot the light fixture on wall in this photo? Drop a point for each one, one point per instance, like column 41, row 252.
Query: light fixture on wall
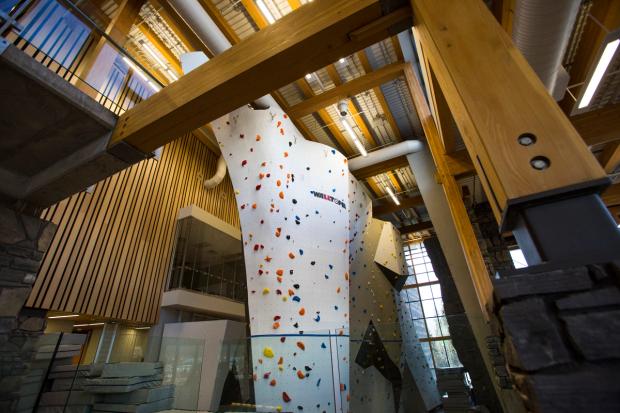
column 612, row 42
column 392, row 195
column 88, row 325
column 354, row 138
column 265, row 10
column 63, row 316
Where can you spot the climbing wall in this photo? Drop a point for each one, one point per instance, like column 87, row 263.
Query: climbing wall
column 292, row 201
column 372, row 300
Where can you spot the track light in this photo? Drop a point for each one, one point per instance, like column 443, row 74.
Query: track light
column 392, row 195
column 88, row 325
column 354, row 137
column 599, row 72
column 265, row 10
column 309, row 76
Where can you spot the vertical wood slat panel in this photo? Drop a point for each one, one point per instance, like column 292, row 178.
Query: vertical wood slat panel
column 111, row 252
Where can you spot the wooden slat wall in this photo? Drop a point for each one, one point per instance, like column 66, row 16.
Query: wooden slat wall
column 111, row 252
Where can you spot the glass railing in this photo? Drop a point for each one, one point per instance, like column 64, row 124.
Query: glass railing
column 64, row 37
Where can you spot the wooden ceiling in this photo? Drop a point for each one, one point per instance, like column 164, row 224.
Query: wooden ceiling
column 378, row 97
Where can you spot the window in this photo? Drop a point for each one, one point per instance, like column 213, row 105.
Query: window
column 422, row 293
column 517, row 258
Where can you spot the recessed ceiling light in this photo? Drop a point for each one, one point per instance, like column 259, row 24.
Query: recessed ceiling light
column 265, row 10
column 64, row 316
column 392, row 195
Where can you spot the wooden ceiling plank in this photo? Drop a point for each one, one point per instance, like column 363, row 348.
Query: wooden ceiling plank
column 348, row 90
column 611, row 196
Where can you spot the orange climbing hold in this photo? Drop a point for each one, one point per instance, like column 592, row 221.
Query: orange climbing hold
column 302, row 311
column 281, row 195
column 301, row 345
column 300, row 374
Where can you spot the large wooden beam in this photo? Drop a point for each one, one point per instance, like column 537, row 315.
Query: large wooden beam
column 495, row 97
column 347, row 90
column 381, row 167
column 599, row 126
column 302, row 41
column 460, row 164
column 464, row 229
column 385, row 209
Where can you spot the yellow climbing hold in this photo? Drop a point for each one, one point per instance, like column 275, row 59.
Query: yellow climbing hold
column 265, row 290
column 268, row 352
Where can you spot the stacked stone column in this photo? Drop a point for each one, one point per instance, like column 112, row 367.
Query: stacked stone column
column 23, row 242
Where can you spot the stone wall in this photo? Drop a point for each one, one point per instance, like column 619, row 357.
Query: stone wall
column 494, row 248
column 23, row 242
column 461, row 332
column 560, row 330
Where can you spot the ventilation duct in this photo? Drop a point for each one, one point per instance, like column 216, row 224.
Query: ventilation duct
column 541, row 31
column 207, row 31
column 385, row 154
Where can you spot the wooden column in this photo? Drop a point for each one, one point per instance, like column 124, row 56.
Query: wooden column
column 495, row 97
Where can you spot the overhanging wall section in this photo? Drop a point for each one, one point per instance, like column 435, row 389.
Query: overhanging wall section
column 111, row 251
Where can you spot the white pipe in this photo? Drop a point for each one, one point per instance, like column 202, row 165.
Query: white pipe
column 541, row 30
column 385, row 154
column 218, row 176
column 207, row 31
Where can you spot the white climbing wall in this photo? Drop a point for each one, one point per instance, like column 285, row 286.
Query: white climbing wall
column 292, row 200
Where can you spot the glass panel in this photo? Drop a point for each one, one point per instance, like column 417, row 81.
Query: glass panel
column 426, row 348
column 426, row 292
column 439, row 354
column 416, row 310
column 453, row 357
column 434, row 330
column 420, row 328
column 443, row 322
column 429, row 308
column 436, row 290
column 439, row 306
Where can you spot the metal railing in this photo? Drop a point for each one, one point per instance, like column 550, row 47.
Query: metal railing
column 63, row 38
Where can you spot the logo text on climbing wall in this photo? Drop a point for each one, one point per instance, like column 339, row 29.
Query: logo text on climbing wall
column 329, row 198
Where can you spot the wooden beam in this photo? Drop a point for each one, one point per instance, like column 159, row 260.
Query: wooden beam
column 610, row 159
column 615, row 212
column 443, row 117
column 347, row 90
column 389, row 208
column 460, row 164
column 420, row 226
column 381, row 167
column 599, row 126
column 265, row 61
column 464, row 229
column 466, row 46
column 254, row 13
